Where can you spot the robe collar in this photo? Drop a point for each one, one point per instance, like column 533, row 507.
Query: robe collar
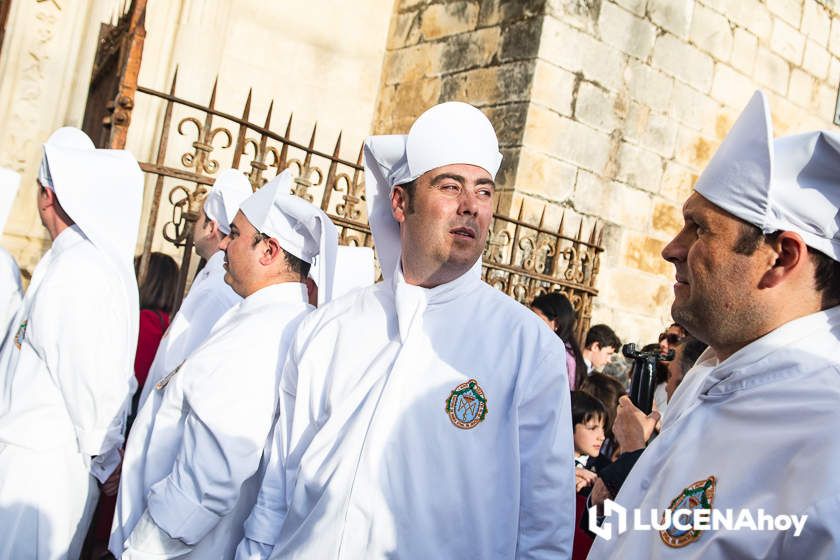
column 760, row 362
column 412, row 301
column 286, row 292
column 67, row 239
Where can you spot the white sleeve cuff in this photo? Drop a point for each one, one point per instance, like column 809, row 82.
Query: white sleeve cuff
column 178, row 514
column 105, row 464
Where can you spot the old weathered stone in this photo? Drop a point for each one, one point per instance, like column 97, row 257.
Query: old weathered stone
column 553, row 87
column 745, row 45
column 683, row 61
column 643, row 252
column 711, row 32
column 626, row 32
column 521, row 40
column 475, row 49
column 440, row 20
column 787, row 42
column 672, row 15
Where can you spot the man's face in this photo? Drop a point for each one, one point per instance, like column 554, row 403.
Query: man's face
column 715, row 286
column 242, row 256
column 206, row 236
column 444, row 228
column 600, row 355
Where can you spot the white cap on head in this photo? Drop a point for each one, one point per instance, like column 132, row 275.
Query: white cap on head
column 100, row 190
column 446, row 134
column 221, row 203
column 9, row 184
column 298, row 226
column 790, row 184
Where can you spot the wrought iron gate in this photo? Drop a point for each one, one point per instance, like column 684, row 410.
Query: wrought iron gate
column 196, row 141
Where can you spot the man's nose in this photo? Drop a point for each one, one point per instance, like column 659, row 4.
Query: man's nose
column 675, row 250
column 468, row 203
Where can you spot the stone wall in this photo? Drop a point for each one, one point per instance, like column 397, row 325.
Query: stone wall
column 610, row 109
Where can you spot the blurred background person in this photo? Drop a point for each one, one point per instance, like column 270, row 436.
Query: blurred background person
column 556, row 310
column 601, row 343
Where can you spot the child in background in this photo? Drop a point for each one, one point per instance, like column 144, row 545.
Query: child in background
column 589, row 415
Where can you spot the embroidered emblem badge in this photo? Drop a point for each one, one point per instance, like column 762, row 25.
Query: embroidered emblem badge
column 21, row 332
column 697, row 496
column 467, row 405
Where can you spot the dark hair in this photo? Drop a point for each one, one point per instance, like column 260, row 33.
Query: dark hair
column 826, row 274
column 409, row 189
column 585, row 407
column 296, row 265
column 606, row 389
column 158, row 289
column 557, row 307
column 604, row 336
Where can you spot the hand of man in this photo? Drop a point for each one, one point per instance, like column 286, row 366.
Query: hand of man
column 632, row 428
column 599, row 494
column 112, row 484
column 583, row 478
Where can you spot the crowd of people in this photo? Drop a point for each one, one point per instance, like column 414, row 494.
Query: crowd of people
column 291, row 407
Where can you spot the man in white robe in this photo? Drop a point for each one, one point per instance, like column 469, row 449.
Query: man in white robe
column 11, row 291
column 209, row 296
column 66, row 369
column 753, row 426
column 427, row 416
column 191, row 478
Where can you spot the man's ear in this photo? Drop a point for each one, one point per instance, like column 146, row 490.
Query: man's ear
column 271, row 251
column 399, row 203
column 47, row 197
column 786, row 254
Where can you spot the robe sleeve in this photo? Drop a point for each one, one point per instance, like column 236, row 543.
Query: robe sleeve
column 820, row 537
column 262, row 528
column 230, row 412
column 88, row 361
column 547, row 489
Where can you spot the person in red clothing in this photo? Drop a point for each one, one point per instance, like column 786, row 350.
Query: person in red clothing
column 157, row 302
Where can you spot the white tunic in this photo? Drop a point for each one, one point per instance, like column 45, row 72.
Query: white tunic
column 208, row 299
column 192, row 469
column 375, row 467
column 66, row 376
column 11, row 291
column 764, row 423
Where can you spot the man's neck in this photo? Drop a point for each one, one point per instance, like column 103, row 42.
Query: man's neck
column 418, row 276
column 55, row 228
column 272, row 282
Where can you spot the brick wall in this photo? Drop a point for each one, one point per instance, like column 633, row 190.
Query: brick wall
column 610, row 109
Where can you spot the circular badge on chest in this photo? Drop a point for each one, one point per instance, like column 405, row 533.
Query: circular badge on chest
column 466, row 405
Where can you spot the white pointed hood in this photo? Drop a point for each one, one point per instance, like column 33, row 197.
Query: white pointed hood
column 301, row 229
column 790, row 184
column 229, row 190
